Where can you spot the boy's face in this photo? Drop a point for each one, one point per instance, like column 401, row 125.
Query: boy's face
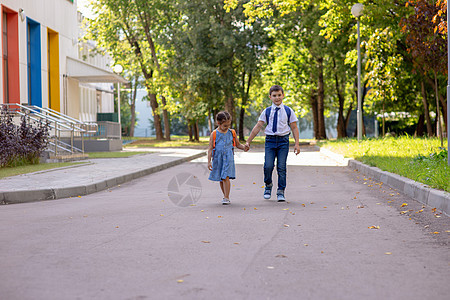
column 277, row 97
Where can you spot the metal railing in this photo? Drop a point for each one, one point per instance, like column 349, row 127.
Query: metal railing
column 60, row 125
column 107, row 129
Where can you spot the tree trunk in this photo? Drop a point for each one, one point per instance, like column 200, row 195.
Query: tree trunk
column 426, row 109
column 321, row 100
column 438, row 116
column 196, row 131
column 341, row 128
column 244, row 102
column 441, row 99
column 420, row 125
column 166, row 119
column 156, row 117
column 190, row 131
column 347, row 117
column 314, row 109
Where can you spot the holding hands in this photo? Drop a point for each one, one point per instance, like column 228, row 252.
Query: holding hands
column 246, row 147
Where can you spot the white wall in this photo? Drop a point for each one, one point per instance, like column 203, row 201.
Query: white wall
column 58, row 15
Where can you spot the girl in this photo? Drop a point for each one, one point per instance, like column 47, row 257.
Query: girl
column 221, row 150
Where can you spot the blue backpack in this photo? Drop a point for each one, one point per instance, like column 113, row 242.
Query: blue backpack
column 286, row 108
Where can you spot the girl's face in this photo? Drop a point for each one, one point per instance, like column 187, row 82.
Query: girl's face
column 225, row 125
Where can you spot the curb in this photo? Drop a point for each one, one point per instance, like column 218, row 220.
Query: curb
column 82, row 190
column 416, row 190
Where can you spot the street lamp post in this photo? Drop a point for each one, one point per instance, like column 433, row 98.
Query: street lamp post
column 118, row 69
column 357, row 11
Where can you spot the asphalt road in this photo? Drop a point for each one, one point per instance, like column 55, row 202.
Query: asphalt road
column 166, row 236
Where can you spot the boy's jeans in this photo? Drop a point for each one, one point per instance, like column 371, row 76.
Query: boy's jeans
column 276, row 147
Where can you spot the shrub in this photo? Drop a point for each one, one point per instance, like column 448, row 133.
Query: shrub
column 21, row 145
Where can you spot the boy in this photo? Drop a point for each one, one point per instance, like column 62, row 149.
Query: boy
column 280, row 120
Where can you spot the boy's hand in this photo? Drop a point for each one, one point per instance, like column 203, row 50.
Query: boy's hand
column 246, row 147
column 297, row 149
column 209, row 166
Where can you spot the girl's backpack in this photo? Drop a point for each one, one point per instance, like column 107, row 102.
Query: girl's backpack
column 214, row 140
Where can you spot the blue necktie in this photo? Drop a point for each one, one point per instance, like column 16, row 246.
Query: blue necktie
column 275, row 120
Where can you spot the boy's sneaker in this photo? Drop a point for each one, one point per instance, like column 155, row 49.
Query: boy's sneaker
column 280, row 197
column 268, row 191
column 225, row 201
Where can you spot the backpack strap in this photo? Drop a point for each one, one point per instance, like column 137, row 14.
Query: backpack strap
column 268, row 114
column 234, row 137
column 288, row 113
column 286, row 108
column 214, row 133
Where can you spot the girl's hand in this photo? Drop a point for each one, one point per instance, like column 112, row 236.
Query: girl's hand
column 209, row 166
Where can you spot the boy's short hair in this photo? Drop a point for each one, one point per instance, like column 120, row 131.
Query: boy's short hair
column 275, row 88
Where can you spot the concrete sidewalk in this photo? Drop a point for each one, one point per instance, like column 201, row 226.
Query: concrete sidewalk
column 94, row 176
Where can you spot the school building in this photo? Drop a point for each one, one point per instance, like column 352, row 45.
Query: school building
column 44, row 64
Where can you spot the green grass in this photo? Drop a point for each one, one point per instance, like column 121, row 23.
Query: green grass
column 420, row 159
column 117, row 154
column 7, row 172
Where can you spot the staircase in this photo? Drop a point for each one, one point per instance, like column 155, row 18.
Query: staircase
column 64, row 131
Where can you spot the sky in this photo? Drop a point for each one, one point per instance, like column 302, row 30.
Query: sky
column 82, row 6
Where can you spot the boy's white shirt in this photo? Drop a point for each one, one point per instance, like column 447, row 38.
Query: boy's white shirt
column 282, row 127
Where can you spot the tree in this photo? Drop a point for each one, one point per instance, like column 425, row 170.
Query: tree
column 129, row 29
column 427, row 45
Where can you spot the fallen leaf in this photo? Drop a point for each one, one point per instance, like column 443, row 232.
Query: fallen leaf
column 254, row 182
column 281, row 255
column 162, row 215
column 374, row 227
column 202, row 210
column 360, row 206
column 437, row 216
column 255, row 208
column 237, row 243
column 270, row 267
column 180, row 280
column 286, row 225
column 388, row 253
column 433, row 210
column 306, row 245
column 404, row 204
column 206, row 242
column 448, row 231
column 324, row 207
column 79, row 196
column 219, row 216
column 303, row 205
column 117, row 226
column 285, row 208
column 436, row 232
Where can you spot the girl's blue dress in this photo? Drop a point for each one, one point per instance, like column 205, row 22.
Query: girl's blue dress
column 223, row 158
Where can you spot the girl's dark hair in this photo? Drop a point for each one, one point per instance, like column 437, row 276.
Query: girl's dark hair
column 223, row 116
column 275, row 88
